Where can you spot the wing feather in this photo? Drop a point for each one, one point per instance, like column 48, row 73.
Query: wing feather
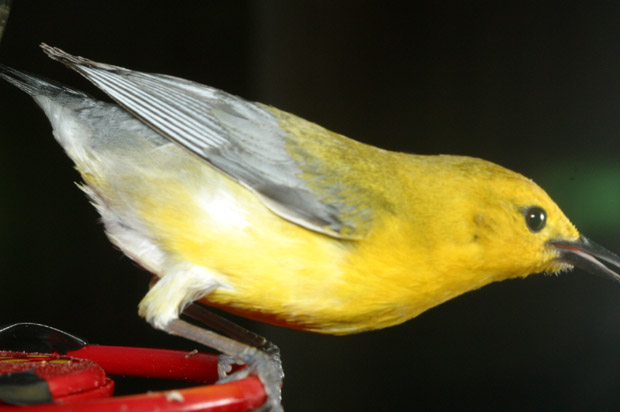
column 244, row 140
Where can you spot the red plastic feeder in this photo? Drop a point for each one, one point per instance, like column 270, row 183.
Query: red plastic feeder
column 38, row 378
column 74, row 378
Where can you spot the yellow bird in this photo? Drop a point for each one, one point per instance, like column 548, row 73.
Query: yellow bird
column 247, row 208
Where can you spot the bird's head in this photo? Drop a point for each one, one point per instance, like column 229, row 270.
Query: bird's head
column 522, row 228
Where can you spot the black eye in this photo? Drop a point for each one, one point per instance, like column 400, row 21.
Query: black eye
column 535, row 218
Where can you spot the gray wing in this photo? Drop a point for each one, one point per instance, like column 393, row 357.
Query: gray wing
column 240, row 138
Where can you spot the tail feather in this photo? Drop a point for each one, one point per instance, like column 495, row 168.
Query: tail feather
column 39, row 86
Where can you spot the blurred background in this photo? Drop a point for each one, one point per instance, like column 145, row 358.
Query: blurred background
column 532, row 86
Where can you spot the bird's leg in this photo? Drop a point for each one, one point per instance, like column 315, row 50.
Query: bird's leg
column 258, row 362
column 201, row 314
column 177, row 289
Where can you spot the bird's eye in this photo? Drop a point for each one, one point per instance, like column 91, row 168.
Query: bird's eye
column 535, row 218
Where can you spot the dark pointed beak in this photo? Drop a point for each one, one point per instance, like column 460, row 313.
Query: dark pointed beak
column 587, row 255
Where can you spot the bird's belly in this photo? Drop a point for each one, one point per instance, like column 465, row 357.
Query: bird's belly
column 266, row 267
column 269, row 268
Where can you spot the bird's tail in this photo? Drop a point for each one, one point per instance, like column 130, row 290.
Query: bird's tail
column 39, row 86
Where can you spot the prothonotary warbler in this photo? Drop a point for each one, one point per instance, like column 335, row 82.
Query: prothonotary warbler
column 247, row 208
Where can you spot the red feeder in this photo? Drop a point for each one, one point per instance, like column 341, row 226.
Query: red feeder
column 27, row 378
column 51, row 371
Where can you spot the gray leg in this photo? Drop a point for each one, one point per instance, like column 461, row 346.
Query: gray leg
column 259, row 363
column 203, row 315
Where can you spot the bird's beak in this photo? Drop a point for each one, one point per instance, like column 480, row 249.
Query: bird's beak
column 588, row 256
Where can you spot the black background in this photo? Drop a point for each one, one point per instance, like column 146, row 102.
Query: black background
column 534, row 86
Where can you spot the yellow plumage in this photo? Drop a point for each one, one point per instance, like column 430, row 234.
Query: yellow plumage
column 259, row 212
column 441, row 225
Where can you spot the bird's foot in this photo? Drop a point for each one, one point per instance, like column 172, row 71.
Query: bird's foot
column 266, row 366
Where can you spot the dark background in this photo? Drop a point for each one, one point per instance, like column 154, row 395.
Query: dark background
column 533, row 86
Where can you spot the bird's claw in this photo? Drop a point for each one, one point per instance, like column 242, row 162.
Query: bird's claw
column 266, row 366
column 225, row 365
